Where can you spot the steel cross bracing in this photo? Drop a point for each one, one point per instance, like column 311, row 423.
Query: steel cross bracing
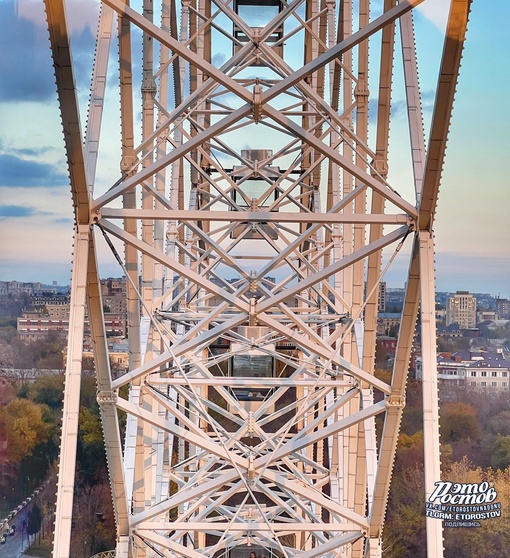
column 249, row 216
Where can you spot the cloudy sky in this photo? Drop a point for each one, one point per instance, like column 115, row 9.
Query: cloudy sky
column 473, row 224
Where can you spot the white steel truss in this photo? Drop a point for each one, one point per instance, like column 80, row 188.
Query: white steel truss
column 253, row 214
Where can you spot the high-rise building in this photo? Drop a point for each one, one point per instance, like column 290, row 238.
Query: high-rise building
column 503, row 308
column 461, row 309
column 382, row 296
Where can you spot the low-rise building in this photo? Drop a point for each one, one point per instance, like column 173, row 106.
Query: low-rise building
column 36, row 327
column 118, row 353
column 388, row 323
column 45, row 299
column 58, row 311
column 475, row 369
column 488, row 375
column 33, row 326
column 486, row 316
column 449, row 332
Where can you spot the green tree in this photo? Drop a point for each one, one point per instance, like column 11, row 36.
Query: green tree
column 34, row 519
column 48, row 390
column 91, row 453
column 404, row 533
column 412, row 418
column 24, row 354
column 381, row 354
column 500, row 457
column 88, row 395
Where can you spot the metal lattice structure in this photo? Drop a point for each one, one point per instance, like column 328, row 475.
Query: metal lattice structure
column 250, row 221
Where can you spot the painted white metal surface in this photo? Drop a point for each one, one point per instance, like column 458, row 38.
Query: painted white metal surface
column 252, row 264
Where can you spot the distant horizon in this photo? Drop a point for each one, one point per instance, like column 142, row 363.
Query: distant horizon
column 50, row 283
column 472, row 242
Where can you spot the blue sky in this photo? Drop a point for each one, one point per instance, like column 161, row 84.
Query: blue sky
column 473, row 225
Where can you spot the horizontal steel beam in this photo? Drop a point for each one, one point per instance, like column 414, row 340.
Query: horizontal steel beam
column 249, row 382
column 246, row 527
column 252, row 216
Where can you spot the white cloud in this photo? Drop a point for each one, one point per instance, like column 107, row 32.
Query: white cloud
column 41, row 130
column 81, row 13
column 436, row 11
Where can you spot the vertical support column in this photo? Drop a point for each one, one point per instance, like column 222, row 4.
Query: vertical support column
column 414, row 110
column 145, row 456
column 346, row 243
column 148, row 91
column 129, row 198
column 106, row 397
column 361, row 95
column 131, row 261
column 159, row 243
column 430, row 394
column 346, row 178
column 380, row 165
column 71, row 411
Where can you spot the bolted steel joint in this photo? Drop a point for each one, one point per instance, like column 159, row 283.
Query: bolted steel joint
column 95, row 216
column 127, row 163
column 380, row 166
column 396, row 401
column 106, row 397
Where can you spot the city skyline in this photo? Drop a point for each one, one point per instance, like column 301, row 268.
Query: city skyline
column 472, row 230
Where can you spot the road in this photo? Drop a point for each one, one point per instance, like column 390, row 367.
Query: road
column 15, row 544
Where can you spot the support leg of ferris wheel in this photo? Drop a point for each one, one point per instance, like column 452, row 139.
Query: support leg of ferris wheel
column 321, row 476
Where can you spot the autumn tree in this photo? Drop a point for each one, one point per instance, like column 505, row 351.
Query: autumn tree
column 26, row 429
column 25, row 425
column 499, row 424
column 94, row 529
column 459, row 422
column 404, row 532
column 492, row 538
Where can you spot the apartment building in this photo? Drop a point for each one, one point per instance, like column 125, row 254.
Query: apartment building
column 381, row 303
column 503, row 308
column 33, row 326
column 461, row 309
column 16, row 288
column 484, row 370
column 113, row 295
